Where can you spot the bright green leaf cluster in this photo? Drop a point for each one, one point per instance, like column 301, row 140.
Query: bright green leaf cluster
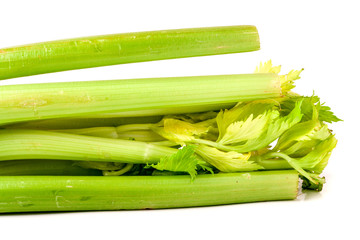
column 307, row 145
column 240, row 138
column 184, row 160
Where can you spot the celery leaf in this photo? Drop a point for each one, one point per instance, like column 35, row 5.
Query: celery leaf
column 244, row 130
column 267, row 67
column 275, row 128
column 227, row 161
column 241, row 112
column 287, row 80
column 180, row 131
column 325, row 113
column 184, row 160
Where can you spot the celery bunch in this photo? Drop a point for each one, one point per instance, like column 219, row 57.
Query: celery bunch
column 237, row 139
column 261, row 137
column 160, row 142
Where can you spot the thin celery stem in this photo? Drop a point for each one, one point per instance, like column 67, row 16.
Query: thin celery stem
column 114, row 49
column 292, row 162
column 125, row 169
column 36, row 144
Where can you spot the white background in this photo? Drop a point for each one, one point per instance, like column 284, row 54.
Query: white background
column 320, row 36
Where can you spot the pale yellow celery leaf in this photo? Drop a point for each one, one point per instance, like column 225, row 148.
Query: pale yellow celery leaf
column 275, row 128
column 227, row 161
column 293, row 75
column 181, row 127
column 267, row 67
column 241, row 112
column 180, row 131
column 244, row 130
column 287, row 80
column 225, row 118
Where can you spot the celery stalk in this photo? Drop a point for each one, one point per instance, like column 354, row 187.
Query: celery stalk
column 135, row 97
column 113, row 49
column 16, row 144
column 61, row 193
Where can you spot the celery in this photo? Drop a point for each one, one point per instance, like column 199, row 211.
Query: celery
column 16, row 144
column 135, row 97
column 60, row 193
column 113, row 49
column 204, row 130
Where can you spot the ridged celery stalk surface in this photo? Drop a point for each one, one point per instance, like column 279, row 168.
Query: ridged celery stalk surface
column 63, row 193
column 17, row 144
column 133, row 97
column 113, row 49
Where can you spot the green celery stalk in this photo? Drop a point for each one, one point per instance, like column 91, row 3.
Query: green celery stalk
column 17, row 144
column 113, row 49
column 44, row 167
column 135, row 97
column 61, row 193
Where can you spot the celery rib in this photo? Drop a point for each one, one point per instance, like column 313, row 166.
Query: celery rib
column 59, row 193
column 133, row 97
column 18, row 144
column 114, row 49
